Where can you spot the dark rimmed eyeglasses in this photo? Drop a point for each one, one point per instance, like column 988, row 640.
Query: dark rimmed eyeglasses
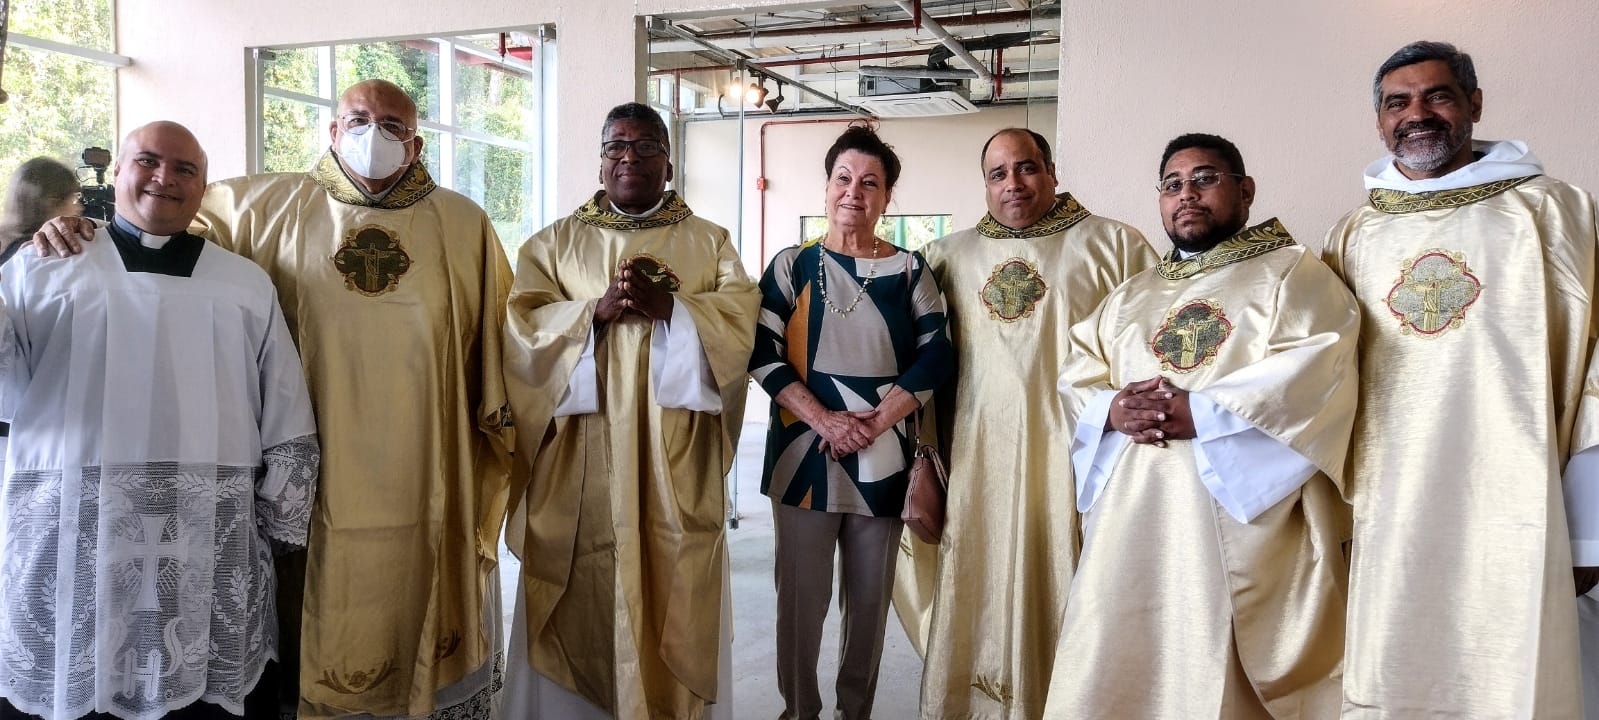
column 646, row 148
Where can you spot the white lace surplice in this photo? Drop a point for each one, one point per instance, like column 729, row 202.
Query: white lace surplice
column 162, row 440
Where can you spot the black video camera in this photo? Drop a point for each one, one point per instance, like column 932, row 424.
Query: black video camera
column 99, row 200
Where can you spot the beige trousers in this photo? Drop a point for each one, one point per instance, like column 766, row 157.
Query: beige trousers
column 806, row 541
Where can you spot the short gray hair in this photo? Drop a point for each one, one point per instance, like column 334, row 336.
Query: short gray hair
column 1459, row 63
column 638, row 112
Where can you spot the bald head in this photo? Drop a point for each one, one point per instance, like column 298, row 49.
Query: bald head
column 160, row 177
column 380, row 98
column 382, row 104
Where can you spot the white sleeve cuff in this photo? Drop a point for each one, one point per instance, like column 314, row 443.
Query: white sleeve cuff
column 583, row 390
column 1582, row 506
column 679, row 369
column 1246, row 470
column 1095, row 450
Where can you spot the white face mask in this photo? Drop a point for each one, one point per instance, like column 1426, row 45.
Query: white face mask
column 370, row 154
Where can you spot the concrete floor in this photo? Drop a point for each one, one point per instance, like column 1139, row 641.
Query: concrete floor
column 750, row 548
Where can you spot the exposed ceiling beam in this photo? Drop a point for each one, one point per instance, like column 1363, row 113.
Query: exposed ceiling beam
column 741, row 60
column 932, row 26
column 1019, row 4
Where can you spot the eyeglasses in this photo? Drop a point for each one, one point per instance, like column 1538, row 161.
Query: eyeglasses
column 359, row 123
column 1201, row 181
column 646, row 148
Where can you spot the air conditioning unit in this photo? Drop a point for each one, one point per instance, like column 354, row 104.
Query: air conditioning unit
column 912, row 97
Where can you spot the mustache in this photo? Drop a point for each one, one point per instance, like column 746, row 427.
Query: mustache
column 1185, row 208
column 1433, row 124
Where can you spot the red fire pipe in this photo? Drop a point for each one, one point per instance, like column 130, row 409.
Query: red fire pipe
column 916, row 14
column 806, row 61
column 760, row 180
column 999, row 71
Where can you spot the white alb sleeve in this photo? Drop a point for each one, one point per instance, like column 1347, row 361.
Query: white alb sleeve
column 583, row 390
column 1246, row 470
column 1095, row 450
column 679, row 369
column 1582, row 507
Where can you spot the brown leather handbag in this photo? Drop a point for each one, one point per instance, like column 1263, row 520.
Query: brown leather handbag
column 926, row 495
column 928, row 491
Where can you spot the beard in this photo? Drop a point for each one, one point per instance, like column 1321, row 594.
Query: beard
column 1198, row 240
column 1429, row 154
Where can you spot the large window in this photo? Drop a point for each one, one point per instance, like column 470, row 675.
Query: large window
column 479, row 99
column 907, row 231
column 60, row 77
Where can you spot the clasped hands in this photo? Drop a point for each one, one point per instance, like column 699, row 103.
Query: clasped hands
column 1151, row 412
column 844, row 432
column 631, row 291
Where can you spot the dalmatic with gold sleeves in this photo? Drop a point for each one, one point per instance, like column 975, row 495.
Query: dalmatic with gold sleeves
column 1477, row 385
column 621, row 527
column 1212, row 579
column 395, row 303
column 987, row 601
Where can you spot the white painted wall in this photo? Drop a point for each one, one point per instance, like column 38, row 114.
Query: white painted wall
column 938, row 156
column 1289, row 80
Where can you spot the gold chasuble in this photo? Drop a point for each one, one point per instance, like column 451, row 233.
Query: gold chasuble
column 987, row 601
column 1478, row 329
column 624, row 548
column 1178, row 610
column 395, row 304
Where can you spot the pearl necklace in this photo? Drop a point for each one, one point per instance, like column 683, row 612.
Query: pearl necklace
column 821, row 278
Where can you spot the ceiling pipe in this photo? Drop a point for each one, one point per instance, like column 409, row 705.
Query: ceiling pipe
column 948, row 41
column 800, row 61
column 743, row 62
column 947, row 21
column 915, row 72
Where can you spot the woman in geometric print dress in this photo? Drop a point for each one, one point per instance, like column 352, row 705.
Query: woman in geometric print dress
column 851, row 342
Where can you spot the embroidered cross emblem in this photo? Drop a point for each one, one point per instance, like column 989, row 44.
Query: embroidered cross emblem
column 1191, row 336
column 1013, row 290
column 1433, row 292
column 371, row 260
column 148, row 550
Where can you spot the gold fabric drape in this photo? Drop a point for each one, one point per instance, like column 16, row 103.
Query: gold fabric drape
column 396, row 309
column 624, row 543
column 1475, row 350
column 988, row 600
column 1213, row 617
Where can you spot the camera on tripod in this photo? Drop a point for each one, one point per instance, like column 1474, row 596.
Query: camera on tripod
column 99, row 199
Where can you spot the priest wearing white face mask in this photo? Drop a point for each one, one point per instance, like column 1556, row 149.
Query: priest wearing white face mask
column 395, row 290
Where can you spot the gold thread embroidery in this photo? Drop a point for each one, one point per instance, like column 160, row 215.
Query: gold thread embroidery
column 1252, row 242
column 1396, row 202
column 1432, row 293
column 597, row 212
column 994, row 689
column 656, row 271
column 1192, row 336
column 371, row 260
column 412, row 187
column 357, row 682
column 446, row 646
column 1013, row 290
column 1066, row 213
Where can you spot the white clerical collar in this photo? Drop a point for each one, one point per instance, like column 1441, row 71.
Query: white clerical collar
column 1184, row 254
column 645, row 214
column 1501, row 160
column 154, row 242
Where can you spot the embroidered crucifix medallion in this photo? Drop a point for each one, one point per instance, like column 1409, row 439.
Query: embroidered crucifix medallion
column 1013, row 290
column 371, row 260
column 1191, row 336
column 1433, row 292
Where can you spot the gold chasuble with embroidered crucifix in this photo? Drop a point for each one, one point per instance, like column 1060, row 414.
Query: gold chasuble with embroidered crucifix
column 1475, row 350
column 623, row 543
column 397, row 306
column 1177, row 608
column 986, row 603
